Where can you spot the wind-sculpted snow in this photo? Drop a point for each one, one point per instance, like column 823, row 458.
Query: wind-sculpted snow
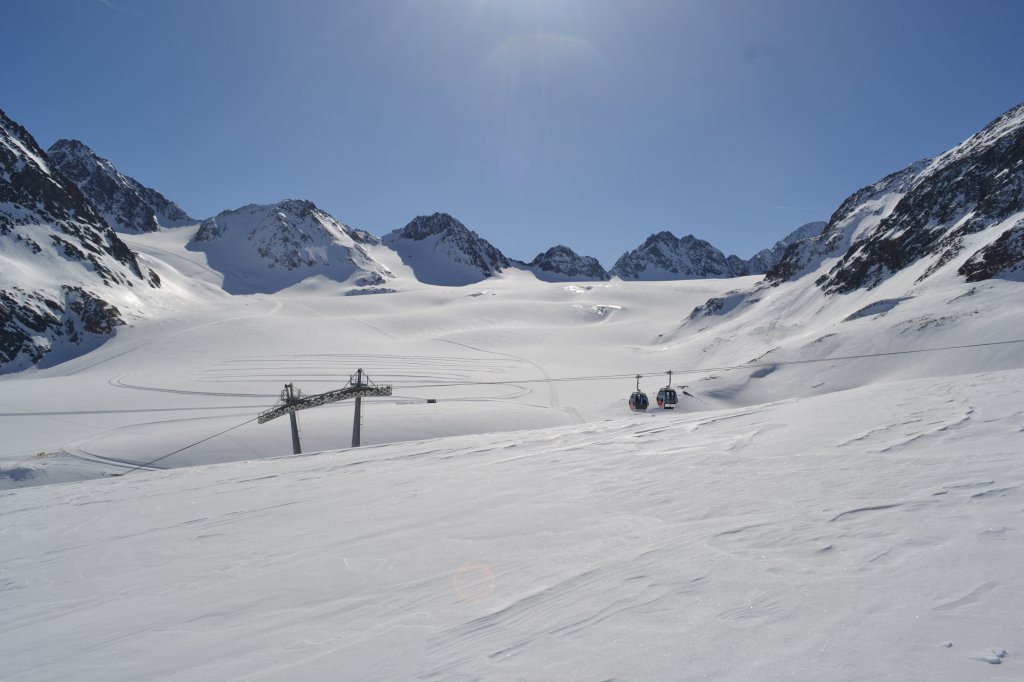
column 127, row 205
column 66, row 278
column 266, row 248
column 867, row 534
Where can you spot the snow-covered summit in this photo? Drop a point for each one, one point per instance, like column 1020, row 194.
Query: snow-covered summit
column 127, row 204
column 664, row 256
column 562, row 264
column 262, row 248
column 66, row 279
column 964, row 207
column 441, row 250
column 766, row 259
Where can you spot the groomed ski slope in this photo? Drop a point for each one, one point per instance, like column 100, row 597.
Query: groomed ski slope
column 873, row 533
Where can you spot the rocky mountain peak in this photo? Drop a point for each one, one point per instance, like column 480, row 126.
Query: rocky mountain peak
column 126, row 204
column 441, row 250
column 560, row 263
column 422, row 227
column 64, row 266
column 267, row 247
column 931, row 211
column 664, row 256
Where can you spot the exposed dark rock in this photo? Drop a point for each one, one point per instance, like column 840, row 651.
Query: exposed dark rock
column 1001, row 258
column 561, row 263
column 127, row 205
column 267, row 247
column 925, row 211
column 441, row 250
column 55, row 232
column 663, row 256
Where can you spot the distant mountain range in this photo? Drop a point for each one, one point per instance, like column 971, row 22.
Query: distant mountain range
column 664, row 256
column 67, row 280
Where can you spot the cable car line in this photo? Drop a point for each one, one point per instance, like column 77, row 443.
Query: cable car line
column 705, row 370
column 664, row 398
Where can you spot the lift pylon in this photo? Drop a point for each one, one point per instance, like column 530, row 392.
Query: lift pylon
column 292, row 400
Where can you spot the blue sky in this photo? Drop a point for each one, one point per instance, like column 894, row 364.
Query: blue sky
column 591, row 123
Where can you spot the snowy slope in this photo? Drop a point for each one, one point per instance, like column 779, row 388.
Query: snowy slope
column 766, row 259
column 868, row 534
column 125, row 203
column 941, row 212
column 266, row 248
column 837, row 496
column 932, row 249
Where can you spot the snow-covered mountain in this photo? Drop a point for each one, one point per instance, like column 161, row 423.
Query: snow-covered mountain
column 766, row 259
column 663, row 256
column 66, row 279
column 441, row 250
column 935, row 246
column 262, row 248
column 964, row 207
column 562, row 264
column 126, row 204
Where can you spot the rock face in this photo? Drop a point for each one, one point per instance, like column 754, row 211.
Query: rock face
column 663, row 257
column 1002, row 258
column 63, row 272
column 562, row 264
column 963, row 207
column 266, row 248
column 441, row 250
column 126, row 204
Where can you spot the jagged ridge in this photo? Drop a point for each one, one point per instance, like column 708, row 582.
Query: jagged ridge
column 60, row 263
column 664, row 256
column 929, row 210
column 127, row 204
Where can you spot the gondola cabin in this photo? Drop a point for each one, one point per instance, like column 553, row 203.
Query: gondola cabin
column 667, row 398
column 638, row 401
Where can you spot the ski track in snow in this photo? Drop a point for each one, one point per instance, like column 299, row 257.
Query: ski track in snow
column 840, row 520
column 560, row 553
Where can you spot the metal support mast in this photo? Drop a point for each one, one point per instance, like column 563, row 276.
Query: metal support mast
column 357, row 420
column 291, row 398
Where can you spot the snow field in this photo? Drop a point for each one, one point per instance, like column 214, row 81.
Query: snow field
column 845, row 536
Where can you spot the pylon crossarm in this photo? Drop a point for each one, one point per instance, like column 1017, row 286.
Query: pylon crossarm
column 322, row 399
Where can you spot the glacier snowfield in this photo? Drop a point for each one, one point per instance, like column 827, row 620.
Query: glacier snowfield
column 842, row 498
